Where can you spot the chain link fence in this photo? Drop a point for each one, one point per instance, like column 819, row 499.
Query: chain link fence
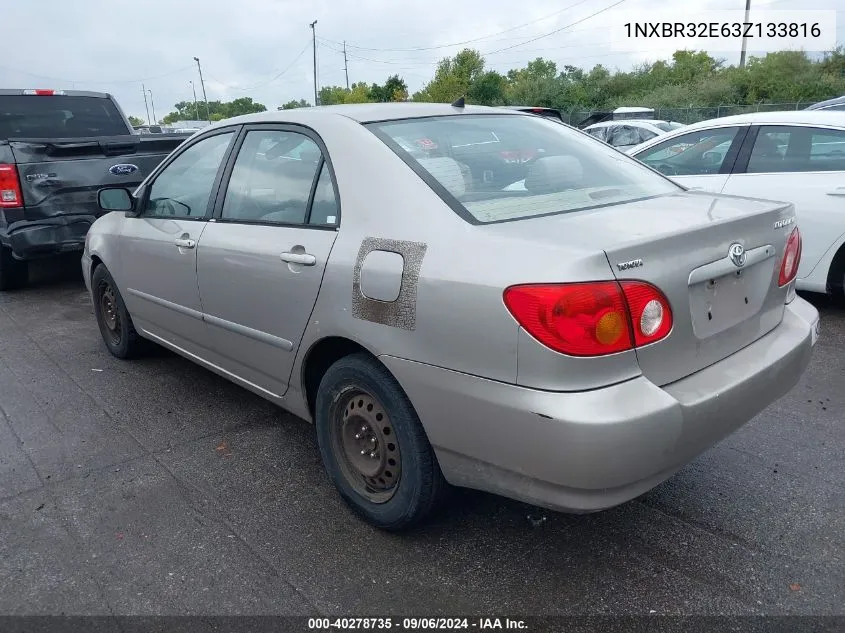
column 695, row 114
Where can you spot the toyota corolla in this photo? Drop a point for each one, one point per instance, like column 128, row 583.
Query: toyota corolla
column 571, row 342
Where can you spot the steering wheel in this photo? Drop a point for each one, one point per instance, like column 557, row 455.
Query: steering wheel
column 167, row 206
column 666, row 169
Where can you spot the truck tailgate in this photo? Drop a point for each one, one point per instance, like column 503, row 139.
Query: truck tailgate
column 62, row 176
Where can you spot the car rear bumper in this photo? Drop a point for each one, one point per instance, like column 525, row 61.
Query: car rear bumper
column 591, row 450
column 33, row 239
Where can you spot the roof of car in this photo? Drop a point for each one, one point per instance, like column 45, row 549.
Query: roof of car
column 811, row 117
column 627, row 122
column 367, row 112
column 828, row 102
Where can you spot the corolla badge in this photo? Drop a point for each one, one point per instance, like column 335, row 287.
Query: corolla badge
column 737, row 254
column 124, row 169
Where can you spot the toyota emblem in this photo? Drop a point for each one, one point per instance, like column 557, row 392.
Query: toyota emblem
column 737, row 254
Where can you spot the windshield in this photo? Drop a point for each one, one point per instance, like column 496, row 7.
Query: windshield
column 506, row 167
column 58, row 116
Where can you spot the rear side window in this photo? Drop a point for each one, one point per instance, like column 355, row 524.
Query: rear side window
column 493, row 168
column 786, row 148
column 59, row 116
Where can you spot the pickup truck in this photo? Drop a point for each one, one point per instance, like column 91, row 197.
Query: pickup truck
column 57, row 149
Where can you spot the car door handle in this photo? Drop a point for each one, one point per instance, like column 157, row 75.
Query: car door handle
column 182, row 242
column 839, row 191
column 299, row 258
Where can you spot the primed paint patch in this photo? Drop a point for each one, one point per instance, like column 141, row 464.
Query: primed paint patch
column 401, row 313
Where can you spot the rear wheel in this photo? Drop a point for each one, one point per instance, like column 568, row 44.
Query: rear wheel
column 373, row 445
column 116, row 327
column 14, row 273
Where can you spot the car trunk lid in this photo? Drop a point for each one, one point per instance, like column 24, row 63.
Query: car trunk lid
column 680, row 243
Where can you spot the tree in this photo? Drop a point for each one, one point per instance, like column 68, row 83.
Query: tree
column 291, row 105
column 453, row 77
column 332, row 95
column 394, row 89
column 488, row 89
column 217, row 110
column 135, row 121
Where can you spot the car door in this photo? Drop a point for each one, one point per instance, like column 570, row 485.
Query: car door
column 701, row 159
column 804, row 165
column 158, row 247
column 260, row 262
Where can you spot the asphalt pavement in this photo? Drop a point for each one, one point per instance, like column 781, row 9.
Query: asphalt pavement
column 156, row 487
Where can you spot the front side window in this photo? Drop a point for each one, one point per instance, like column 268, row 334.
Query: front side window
column 272, row 178
column 533, row 167
column 779, row 149
column 183, row 188
column 692, row 154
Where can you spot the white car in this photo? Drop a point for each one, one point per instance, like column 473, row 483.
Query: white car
column 627, row 133
column 795, row 156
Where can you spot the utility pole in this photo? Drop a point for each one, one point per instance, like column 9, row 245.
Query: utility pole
column 314, row 38
column 744, row 39
column 146, row 107
column 202, row 83
column 196, row 107
column 345, row 65
column 153, row 106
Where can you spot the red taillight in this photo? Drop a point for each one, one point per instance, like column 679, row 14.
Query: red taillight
column 10, row 187
column 593, row 318
column 791, row 258
column 44, row 92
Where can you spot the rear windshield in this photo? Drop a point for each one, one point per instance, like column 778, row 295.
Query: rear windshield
column 506, row 167
column 56, row 116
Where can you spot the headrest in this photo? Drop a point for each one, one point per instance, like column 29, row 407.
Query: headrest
column 447, row 172
column 554, row 173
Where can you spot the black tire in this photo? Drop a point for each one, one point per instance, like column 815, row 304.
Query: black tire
column 14, row 274
column 122, row 341
column 350, row 382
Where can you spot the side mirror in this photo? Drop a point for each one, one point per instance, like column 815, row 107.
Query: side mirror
column 116, row 199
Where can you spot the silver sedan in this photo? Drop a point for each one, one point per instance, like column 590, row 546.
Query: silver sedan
column 459, row 295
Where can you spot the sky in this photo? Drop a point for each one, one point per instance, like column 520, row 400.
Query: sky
column 263, row 48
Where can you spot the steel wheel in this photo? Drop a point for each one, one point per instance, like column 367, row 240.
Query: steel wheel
column 109, row 312
column 364, row 439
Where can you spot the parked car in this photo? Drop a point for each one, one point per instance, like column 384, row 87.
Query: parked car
column 835, row 105
column 625, row 134
column 571, row 345
column 57, row 148
column 795, row 156
column 552, row 113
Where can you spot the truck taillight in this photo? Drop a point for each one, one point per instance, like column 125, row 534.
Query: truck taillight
column 592, row 318
column 10, row 187
column 44, row 92
column 791, row 258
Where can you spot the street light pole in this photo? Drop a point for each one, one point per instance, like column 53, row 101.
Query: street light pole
column 196, row 107
column 153, row 106
column 744, row 39
column 314, row 38
column 146, row 107
column 202, row 83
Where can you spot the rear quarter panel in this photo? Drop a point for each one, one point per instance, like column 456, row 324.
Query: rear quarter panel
column 451, row 313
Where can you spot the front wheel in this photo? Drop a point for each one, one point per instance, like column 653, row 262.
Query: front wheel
column 373, row 445
column 116, row 326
